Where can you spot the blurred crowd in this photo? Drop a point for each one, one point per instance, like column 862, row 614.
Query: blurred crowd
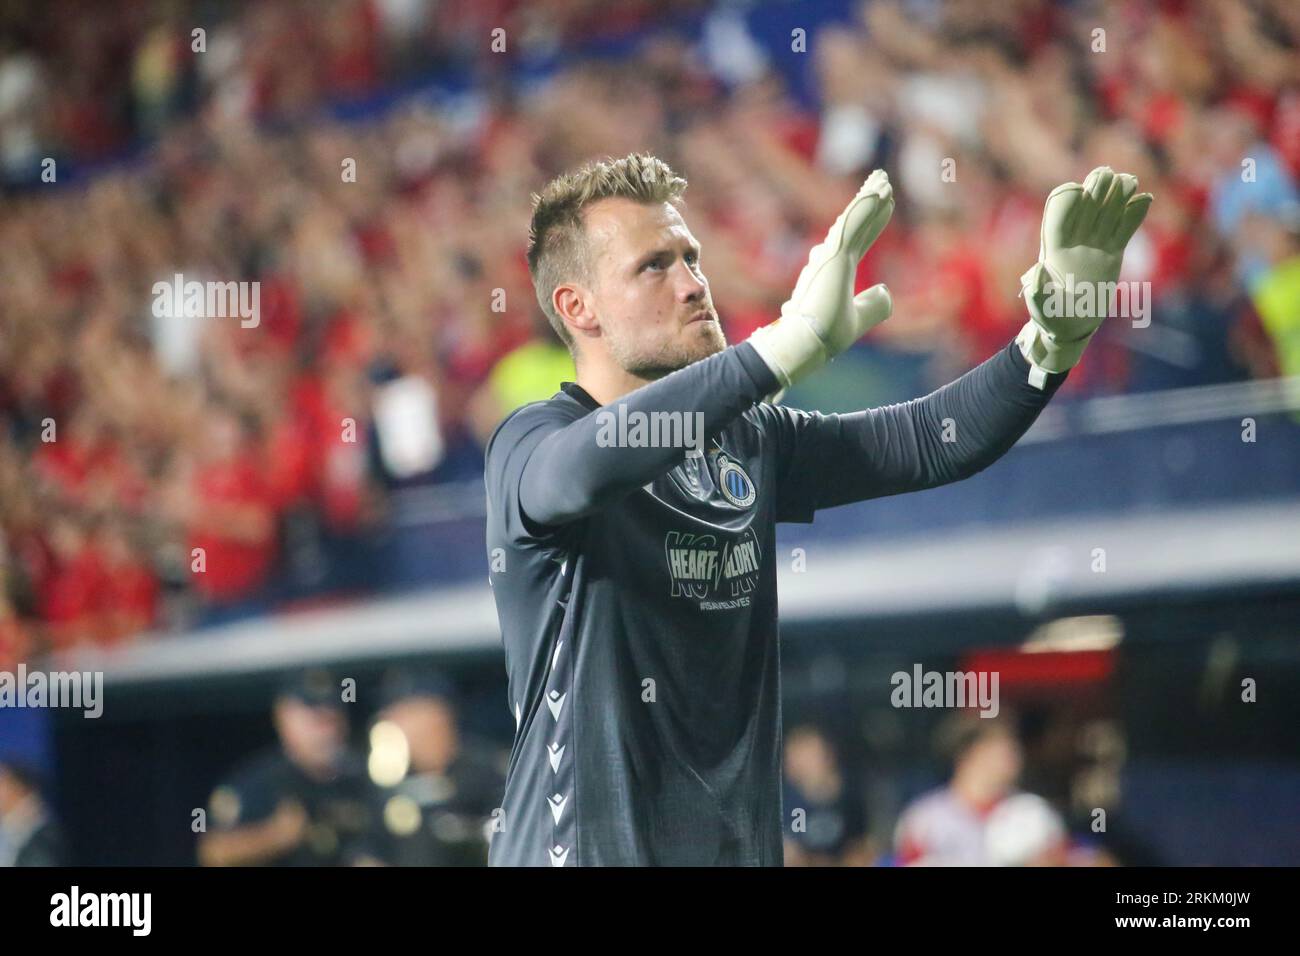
column 979, row 815
column 417, row 794
column 156, row 465
column 416, row 790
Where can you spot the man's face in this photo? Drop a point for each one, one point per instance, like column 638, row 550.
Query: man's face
column 312, row 736
column 999, row 759
column 10, row 792
column 429, row 726
column 807, row 758
column 649, row 297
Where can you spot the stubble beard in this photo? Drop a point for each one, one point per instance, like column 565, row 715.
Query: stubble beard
column 703, row 339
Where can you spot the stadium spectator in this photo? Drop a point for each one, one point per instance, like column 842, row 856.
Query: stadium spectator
column 305, row 802
column 831, row 828
column 230, row 515
column 526, row 374
column 438, row 792
column 199, row 432
column 1276, row 291
column 978, row 818
column 29, row 834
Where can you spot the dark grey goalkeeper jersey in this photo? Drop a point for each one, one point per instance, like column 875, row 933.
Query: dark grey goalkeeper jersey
column 636, row 589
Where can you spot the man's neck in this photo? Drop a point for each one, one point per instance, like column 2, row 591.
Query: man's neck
column 608, row 385
column 976, row 794
column 312, row 770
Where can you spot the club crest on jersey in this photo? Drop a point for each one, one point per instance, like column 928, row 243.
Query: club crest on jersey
column 736, row 485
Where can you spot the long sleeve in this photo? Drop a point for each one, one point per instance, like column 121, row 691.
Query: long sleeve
column 950, row 434
column 560, row 469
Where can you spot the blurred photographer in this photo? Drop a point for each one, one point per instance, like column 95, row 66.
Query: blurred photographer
column 303, row 803
column 437, row 794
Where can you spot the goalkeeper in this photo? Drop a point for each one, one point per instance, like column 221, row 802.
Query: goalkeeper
column 635, row 579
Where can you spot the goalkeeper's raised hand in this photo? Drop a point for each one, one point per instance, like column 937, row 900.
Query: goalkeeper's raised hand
column 1069, row 290
column 822, row 317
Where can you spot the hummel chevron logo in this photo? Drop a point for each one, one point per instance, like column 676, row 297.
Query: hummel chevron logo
column 558, row 855
column 555, row 701
column 557, row 803
column 556, row 755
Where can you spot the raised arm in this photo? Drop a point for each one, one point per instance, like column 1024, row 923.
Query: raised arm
column 563, row 471
column 968, row 424
column 950, row 434
column 546, row 471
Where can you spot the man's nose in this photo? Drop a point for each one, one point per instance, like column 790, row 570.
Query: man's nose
column 691, row 286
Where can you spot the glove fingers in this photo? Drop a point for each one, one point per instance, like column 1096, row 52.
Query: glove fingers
column 841, row 225
column 1103, row 177
column 867, row 221
column 1059, row 214
column 1095, row 188
column 1134, row 212
column 873, row 306
column 870, row 307
column 861, row 222
column 1112, row 211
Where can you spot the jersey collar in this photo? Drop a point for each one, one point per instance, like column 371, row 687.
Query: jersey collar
column 579, row 395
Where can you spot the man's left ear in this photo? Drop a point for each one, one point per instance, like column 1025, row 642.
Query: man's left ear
column 573, row 305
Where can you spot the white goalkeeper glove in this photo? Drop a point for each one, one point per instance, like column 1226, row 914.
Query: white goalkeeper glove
column 1069, row 289
column 822, row 317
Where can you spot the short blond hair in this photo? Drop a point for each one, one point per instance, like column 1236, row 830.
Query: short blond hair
column 558, row 251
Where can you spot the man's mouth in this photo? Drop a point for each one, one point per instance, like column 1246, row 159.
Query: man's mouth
column 704, row 316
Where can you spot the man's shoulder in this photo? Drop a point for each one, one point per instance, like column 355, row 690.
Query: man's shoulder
column 45, row 847
column 939, row 804
column 247, row 788
column 559, row 409
column 547, row 414
column 264, row 765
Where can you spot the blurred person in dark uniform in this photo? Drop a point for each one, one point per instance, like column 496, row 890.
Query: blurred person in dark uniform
column 832, row 828
column 29, row 834
column 437, row 793
column 303, row 803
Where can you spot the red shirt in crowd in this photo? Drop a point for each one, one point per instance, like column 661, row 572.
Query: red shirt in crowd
column 236, row 565
column 127, row 601
column 68, row 594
